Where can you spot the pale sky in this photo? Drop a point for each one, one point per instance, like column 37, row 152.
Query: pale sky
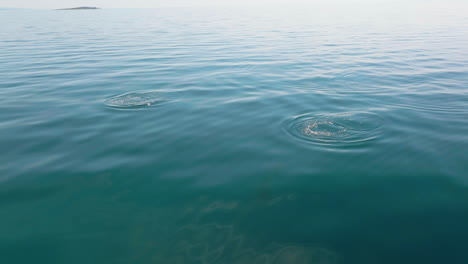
column 165, row 3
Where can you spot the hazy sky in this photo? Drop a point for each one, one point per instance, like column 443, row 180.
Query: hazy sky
column 162, row 3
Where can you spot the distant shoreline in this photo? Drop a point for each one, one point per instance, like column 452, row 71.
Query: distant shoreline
column 79, row 8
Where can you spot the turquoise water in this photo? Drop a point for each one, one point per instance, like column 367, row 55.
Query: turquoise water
column 234, row 135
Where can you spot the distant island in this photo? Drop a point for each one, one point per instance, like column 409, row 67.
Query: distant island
column 80, row 8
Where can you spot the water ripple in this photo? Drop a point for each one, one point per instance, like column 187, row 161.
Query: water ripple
column 135, row 99
column 334, row 129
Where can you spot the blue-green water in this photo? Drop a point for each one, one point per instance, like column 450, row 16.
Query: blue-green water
column 234, row 135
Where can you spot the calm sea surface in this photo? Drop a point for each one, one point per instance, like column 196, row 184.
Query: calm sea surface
column 282, row 135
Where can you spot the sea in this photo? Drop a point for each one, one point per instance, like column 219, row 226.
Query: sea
column 285, row 134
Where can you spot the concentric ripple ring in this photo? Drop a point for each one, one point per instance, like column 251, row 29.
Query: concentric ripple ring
column 134, row 100
column 334, row 129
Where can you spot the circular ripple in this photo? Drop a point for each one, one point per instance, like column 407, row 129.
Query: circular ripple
column 338, row 129
column 134, row 99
